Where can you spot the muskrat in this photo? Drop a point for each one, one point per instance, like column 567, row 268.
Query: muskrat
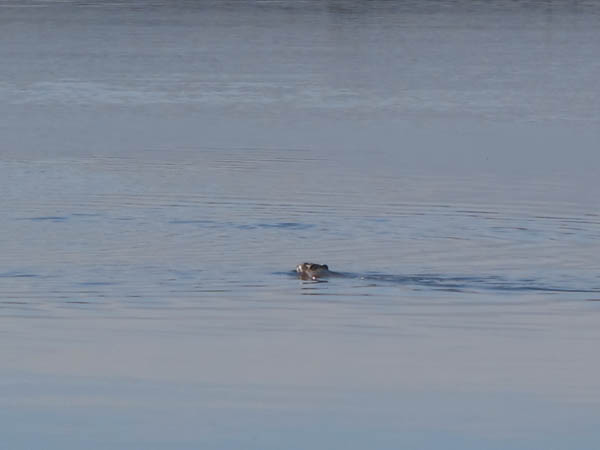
column 312, row 271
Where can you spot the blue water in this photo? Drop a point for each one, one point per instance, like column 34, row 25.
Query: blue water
column 164, row 166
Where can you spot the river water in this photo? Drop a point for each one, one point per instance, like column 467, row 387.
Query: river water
column 164, row 165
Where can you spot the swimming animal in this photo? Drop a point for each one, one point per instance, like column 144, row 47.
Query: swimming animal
column 313, row 271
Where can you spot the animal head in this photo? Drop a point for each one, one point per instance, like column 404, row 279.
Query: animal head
column 311, row 271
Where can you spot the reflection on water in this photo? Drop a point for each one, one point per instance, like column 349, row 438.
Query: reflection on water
column 164, row 166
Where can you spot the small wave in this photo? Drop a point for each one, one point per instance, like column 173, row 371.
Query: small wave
column 286, row 225
column 45, row 218
column 17, row 275
column 462, row 283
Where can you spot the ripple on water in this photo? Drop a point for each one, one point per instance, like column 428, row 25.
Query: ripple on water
column 205, row 225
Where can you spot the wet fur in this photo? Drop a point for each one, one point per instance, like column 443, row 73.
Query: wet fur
column 313, row 271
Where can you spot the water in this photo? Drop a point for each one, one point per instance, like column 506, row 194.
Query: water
column 165, row 165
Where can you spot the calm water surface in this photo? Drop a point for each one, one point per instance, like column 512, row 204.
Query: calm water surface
column 165, row 165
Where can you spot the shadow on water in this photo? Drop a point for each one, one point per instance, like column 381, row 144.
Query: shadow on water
column 438, row 282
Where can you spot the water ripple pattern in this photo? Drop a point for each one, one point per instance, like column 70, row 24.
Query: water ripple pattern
column 165, row 164
column 180, row 231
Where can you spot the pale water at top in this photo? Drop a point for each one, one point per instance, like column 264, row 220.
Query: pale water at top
column 164, row 165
